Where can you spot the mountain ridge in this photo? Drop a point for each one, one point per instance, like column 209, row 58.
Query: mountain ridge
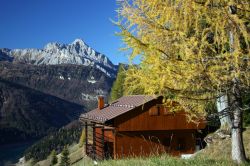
column 54, row 53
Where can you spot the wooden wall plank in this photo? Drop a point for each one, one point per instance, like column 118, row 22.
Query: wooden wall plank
column 144, row 118
column 129, row 144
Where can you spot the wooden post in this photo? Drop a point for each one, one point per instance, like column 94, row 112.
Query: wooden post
column 114, row 151
column 86, row 138
column 103, row 150
column 94, row 142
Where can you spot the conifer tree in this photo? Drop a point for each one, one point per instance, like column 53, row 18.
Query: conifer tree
column 65, row 160
column 53, row 158
column 193, row 52
column 117, row 89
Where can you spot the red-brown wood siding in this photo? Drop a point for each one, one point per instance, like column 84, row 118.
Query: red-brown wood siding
column 154, row 142
column 140, row 119
column 108, row 137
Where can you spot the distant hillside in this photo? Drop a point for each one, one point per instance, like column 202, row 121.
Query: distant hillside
column 67, row 135
column 75, row 83
column 27, row 113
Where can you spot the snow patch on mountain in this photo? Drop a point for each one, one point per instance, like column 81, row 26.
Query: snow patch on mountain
column 61, row 77
column 103, row 70
column 99, row 91
column 91, row 80
column 88, row 97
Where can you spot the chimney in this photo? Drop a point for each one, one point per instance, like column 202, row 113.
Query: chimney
column 100, row 102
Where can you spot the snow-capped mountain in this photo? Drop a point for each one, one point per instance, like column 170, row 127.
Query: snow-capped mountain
column 84, row 72
column 77, row 52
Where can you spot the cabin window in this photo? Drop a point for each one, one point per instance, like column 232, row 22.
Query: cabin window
column 154, row 111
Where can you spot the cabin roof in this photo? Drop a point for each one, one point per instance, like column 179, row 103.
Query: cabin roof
column 117, row 108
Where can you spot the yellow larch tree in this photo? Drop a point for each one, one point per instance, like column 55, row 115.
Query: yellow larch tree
column 191, row 51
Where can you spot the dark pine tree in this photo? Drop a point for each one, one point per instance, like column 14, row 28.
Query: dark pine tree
column 65, row 161
column 53, row 158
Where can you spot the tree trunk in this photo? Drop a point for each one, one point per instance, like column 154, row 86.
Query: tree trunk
column 222, row 104
column 238, row 151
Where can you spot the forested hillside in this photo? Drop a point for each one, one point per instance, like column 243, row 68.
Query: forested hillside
column 27, row 114
column 55, row 141
column 75, row 83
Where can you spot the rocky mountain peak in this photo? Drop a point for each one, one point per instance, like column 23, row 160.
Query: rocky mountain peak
column 52, row 46
column 77, row 52
column 79, row 42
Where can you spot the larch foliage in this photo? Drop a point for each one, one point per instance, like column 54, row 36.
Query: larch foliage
column 185, row 48
column 192, row 51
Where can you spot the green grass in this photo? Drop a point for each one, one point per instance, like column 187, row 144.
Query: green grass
column 158, row 161
column 76, row 154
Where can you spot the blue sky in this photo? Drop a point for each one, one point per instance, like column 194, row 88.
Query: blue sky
column 33, row 23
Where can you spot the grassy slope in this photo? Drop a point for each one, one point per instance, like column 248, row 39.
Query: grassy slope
column 215, row 155
column 76, row 154
column 222, row 150
column 157, row 161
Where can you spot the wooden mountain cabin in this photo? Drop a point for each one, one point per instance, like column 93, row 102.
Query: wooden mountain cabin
column 138, row 126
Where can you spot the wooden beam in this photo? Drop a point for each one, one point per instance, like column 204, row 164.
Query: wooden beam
column 86, row 138
column 94, row 142
column 115, row 146
column 82, row 119
column 109, row 128
column 103, row 150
